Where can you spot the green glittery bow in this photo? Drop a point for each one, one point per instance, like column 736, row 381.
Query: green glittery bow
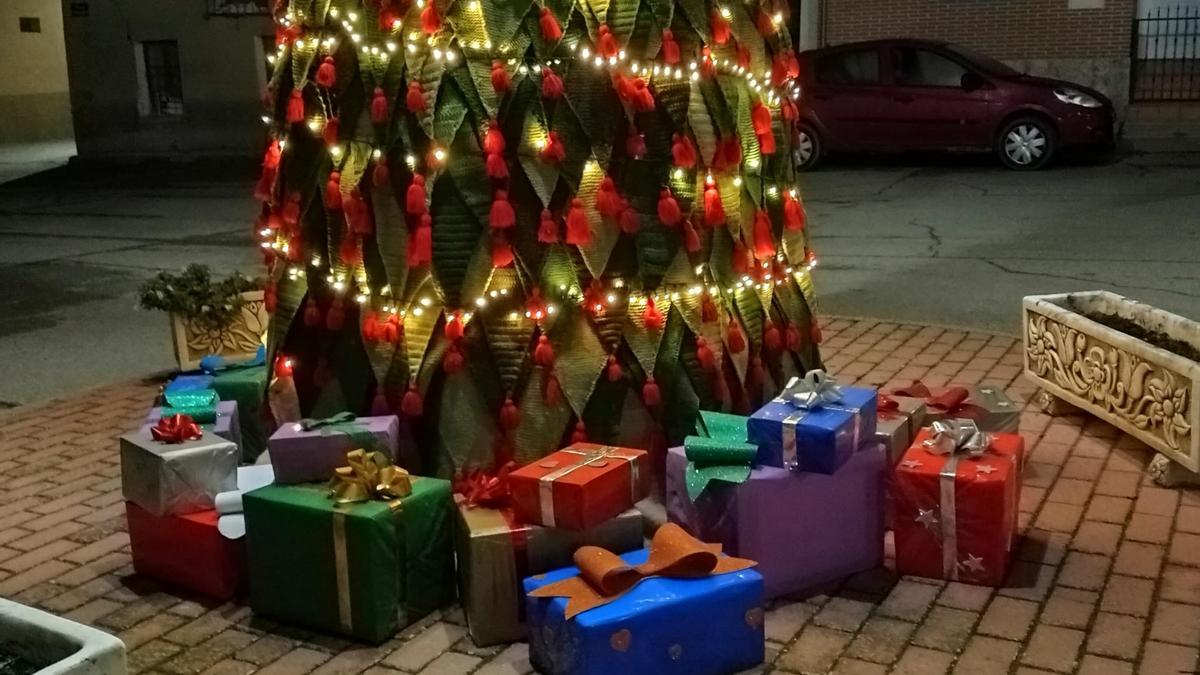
column 712, row 459
column 721, row 425
column 199, row 404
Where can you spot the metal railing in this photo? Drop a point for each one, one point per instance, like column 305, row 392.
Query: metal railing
column 239, row 8
column 1165, row 58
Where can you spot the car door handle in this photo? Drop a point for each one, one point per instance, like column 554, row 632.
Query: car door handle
column 903, row 98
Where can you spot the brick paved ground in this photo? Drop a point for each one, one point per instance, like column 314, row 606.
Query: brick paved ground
column 1107, row 580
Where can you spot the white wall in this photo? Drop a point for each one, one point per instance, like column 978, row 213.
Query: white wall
column 33, row 74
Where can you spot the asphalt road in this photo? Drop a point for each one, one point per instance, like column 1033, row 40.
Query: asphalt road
column 955, row 242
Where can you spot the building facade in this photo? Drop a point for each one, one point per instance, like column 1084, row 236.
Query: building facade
column 34, row 102
column 179, row 78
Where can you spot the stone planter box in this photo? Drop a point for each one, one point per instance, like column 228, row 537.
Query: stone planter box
column 67, row 647
column 1147, row 391
column 238, row 342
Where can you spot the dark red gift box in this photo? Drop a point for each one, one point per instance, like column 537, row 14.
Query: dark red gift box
column 956, row 515
column 580, row 487
column 187, row 551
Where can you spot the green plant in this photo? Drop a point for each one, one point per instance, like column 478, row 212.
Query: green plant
column 193, row 294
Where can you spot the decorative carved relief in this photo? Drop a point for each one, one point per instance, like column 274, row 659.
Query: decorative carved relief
column 1143, row 394
column 242, row 338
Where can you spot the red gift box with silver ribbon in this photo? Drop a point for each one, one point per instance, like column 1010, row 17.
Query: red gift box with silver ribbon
column 956, row 493
column 581, row 486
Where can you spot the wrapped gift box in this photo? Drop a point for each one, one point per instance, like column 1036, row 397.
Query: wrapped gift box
column 301, row 456
column 225, row 423
column 580, row 487
column 986, row 404
column 176, row 478
column 956, row 515
column 833, row 527
column 898, row 420
column 496, row 551
column 187, row 552
column 710, row 625
column 362, row 570
column 817, row 440
column 247, row 385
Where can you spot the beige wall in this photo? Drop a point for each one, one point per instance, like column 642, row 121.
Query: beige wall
column 33, row 88
column 220, row 66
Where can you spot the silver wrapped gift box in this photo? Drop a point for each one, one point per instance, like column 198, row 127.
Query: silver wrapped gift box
column 176, row 478
column 896, row 429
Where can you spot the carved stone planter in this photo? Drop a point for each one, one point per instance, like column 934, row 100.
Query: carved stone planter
column 238, row 342
column 1145, row 390
column 59, row 646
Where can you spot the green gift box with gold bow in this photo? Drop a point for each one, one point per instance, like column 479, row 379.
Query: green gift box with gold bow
column 363, row 569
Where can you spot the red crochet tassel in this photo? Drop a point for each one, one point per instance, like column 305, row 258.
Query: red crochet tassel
column 452, row 362
column 635, row 144
column 651, row 316
column 683, row 152
column 412, row 405
column 291, row 210
column 741, row 258
column 326, row 73
column 760, row 117
column 552, row 84
column 580, row 433
column 371, row 330
column 501, row 82
column 391, row 330
column 553, row 152
column 731, row 149
column 579, row 233
column 764, row 23
column 651, row 395
column 312, row 313
column 335, row 318
column 553, row 392
column 670, row 48
column 350, row 252
column 613, row 370
column 629, row 218
column 793, row 337
column 643, row 100
column 624, row 87
column 295, row 250
column 691, row 238
column 295, row 108
column 510, row 415
column 535, row 305
column 772, row 340
column 453, row 330
column 714, row 210
column 793, row 64
column 388, row 19
column 708, row 67
column 414, row 200
column 350, row 206
column 720, row 27
column 265, row 188
column 704, row 354
column 502, row 215
column 381, row 175
column 766, row 144
column 608, row 202
column 551, row 30
column 668, row 209
column 496, row 166
column 421, row 252
column 789, row 111
column 815, row 332
column 708, row 309
column 547, row 228
column 734, row 338
column 283, row 366
column 793, row 213
column 607, row 43
column 764, row 242
column 593, row 297
column 379, row 107
column 778, row 70
column 430, row 21
column 543, row 354
column 415, row 99
column 742, row 55
column 493, row 140
column 379, row 404
column 502, row 254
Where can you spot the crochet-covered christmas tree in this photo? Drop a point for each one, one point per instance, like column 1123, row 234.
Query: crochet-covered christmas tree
column 520, row 224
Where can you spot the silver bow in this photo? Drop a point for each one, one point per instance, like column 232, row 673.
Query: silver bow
column 817, row 389
column 958, row 436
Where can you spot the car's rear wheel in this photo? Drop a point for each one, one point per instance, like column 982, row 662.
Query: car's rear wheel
column 806, row 151
column 1026, row 144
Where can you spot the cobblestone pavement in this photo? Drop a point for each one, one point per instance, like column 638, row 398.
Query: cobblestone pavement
column 1106, row 581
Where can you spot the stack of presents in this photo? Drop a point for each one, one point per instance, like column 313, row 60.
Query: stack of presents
column 326, row 531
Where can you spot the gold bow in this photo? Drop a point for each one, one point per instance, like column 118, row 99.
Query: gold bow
column 369, row 476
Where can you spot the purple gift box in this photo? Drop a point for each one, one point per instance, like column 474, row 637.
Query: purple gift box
column 303, row 456
column 226, row 424
column 804, row 529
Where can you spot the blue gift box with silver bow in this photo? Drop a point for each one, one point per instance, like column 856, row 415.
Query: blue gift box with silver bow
column 815, row 425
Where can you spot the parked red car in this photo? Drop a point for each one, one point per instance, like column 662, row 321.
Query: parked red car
column 899, row 95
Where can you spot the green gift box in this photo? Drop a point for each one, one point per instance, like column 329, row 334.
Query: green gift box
column 248, row 386
column 362, row 570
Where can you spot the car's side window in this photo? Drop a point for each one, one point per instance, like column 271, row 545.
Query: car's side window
column 922, row 68
column 856, row 67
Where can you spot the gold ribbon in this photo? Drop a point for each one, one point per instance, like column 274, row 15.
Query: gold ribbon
column 369, row 476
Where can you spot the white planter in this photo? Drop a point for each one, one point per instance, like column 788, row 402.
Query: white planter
column 71, row 648
column 1149, row 392
column 238, row 342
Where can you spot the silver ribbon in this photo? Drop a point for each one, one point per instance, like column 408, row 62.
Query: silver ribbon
column 597, row 458
column 816, row 389
column 955, row 438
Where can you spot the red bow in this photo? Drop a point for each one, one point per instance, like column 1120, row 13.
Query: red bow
column 951, row 402
column 483, row 488
column 176, row 429
column 887, row 407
